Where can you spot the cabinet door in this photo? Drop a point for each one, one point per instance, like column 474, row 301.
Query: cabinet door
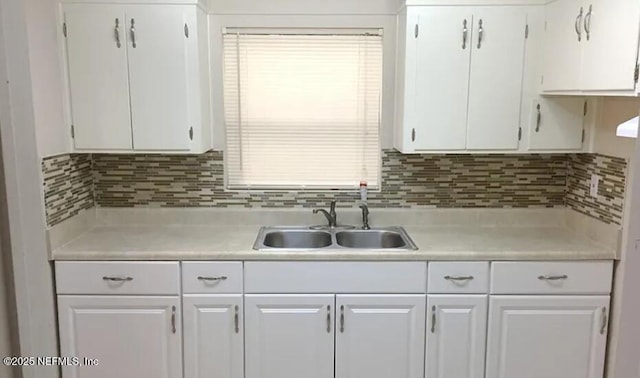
column 98, row 76
column 289, row 336
column 611, row 44
column 495, row 86
column 158, row 62
column 551, row 337
column 213, row 336
column 556, row 123
column 456, row 336
column 442, row 78
column 130, row 336
column 563, row 46
column 380, row 336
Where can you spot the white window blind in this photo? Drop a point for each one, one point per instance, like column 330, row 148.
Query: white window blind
column 302, row 110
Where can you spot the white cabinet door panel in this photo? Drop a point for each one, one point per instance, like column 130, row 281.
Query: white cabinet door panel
column 380, row 336
column 289, row 336
column 158, row 62
column 544, row 336
column 213, row 336
column 456, row 336
column 557, row 124
column 497, row 64
column 442, row 78
column 130, row 336
column 98, row 76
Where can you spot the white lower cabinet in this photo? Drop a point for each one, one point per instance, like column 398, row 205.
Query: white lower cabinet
column 129, row 336
column 380, row 336
column 547, row 336
column 289, row 336
column 456, row 336
column 213, row 336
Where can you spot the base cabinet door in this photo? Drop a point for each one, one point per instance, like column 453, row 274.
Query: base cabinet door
column 456, row 336
column 289, row 336
column 547, row 336
column 213, row 336
column 380, row 336
column 130, row 336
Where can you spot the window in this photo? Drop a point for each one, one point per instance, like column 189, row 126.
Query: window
column 302, row 109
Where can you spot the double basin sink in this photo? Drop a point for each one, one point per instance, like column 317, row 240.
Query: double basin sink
column 308, row 238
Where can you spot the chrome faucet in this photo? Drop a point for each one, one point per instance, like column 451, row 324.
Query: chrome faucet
column 331, row 215
column 365, row 216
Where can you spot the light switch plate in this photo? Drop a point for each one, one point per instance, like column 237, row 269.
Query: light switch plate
column 593, row 187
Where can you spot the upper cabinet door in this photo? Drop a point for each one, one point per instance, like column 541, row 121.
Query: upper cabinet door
column 289, row 336
column 543, row 336
column 557, row 123
column 130, row 336
column 497, row 64
column 444, row 44
column 380, row 336
column 158, row 49
column 563, row 42
column 98, row 76
column 456, row 336
column 610, row 51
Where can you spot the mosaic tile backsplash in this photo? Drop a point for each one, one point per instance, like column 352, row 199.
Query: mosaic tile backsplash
column 609, row 204
column 407, row 181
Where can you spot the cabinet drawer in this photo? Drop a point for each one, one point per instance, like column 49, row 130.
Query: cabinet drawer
column 458, row 277
column 211, row 277
column 112, row 278
column 335, row 277
column 551, row 277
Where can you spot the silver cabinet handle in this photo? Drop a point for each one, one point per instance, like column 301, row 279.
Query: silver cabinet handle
column 433, row 319
column 413, row 135
column 604, row 319
column 587, row 22
column 577, row 24
column 236, row 318
column 116, row 31
column 328, row 319
column 538, row 118
column 218, row 278
column 173, row 319
column 465, row 34
column 553, row 278
column 133, row 33
column 458, row 278
column 117, row 279
column 480, row 33
column 341, row 319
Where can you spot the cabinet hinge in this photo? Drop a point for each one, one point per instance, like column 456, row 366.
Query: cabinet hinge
column 73, row 132
column 585, row 109
column 416, row 31
column 636, row 73
column 526, row 32
column 64, row 29
column 520, row 133
column 191, row 133
column 186, row 30
column 583, row 135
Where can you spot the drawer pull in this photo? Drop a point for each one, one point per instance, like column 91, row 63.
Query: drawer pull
column 220, row 278
column 117, row 279
column 458, row 278
column 553, row 278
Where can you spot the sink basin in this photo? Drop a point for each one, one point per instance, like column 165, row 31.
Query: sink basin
column 306, row 238
column 371, row 239
column 297, row 239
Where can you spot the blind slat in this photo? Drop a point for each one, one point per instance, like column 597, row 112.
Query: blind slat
column 302, row 111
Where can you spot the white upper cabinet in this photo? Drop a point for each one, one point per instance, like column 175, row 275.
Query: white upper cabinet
column 138, row 77
column 380, row 336
column 99, row 80
column 591, row 47
column 547, row 336
column 557, row 123
column 459, row 82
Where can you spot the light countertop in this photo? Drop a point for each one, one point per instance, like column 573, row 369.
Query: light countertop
column 205, row 242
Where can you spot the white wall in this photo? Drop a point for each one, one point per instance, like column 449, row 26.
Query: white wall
column 613, row 111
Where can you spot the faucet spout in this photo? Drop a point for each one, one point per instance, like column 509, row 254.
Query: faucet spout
column 330, row 219
column 365, row 217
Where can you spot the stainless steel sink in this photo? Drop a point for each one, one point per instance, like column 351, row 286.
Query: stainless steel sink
column 305, row 238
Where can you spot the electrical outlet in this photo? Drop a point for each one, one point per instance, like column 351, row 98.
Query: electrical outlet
column 593, row 188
